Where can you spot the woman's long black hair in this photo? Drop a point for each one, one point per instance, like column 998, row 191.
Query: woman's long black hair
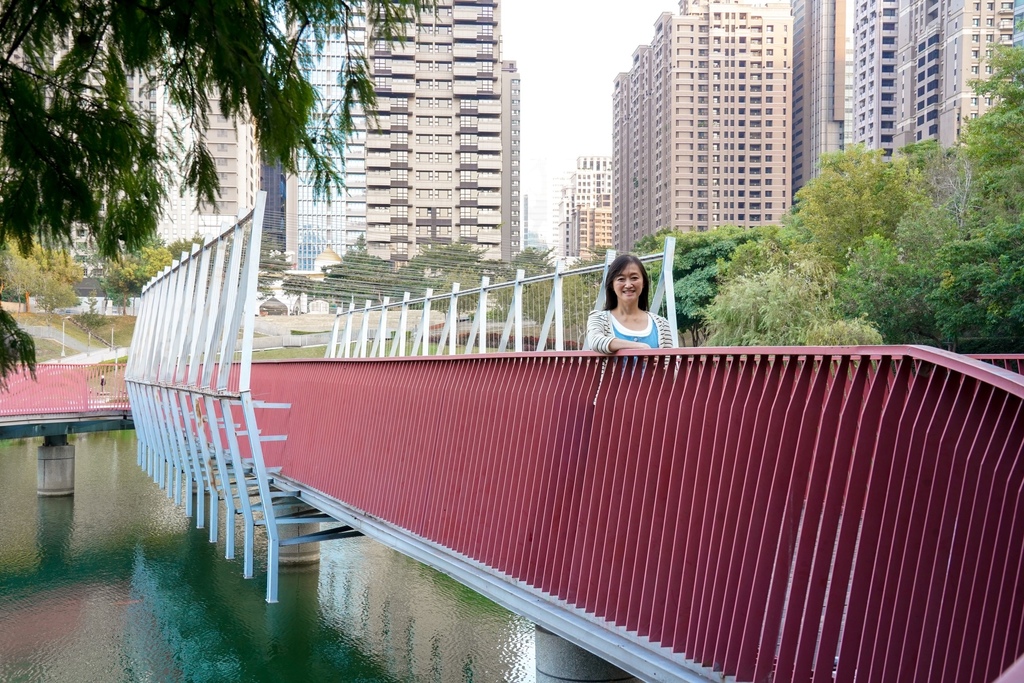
column 617, row 266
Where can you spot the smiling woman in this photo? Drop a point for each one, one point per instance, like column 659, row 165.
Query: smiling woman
column 626, row 323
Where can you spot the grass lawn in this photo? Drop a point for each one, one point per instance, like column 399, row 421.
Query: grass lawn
column 123, row 327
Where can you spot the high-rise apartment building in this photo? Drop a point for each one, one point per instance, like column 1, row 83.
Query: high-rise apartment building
column 943, row 45
column 583, row 207
column 562, row 204
column 701, row 123
column 875, row 60
column 511, row 214
column 313, row 224
column 822, row 111
column 595, row 227
column 232, row 144
column 434, row 167
column 440, row 161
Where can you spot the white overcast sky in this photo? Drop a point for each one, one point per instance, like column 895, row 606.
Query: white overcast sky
column 568, row 53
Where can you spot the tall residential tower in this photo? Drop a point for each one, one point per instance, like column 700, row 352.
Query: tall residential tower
column 701, row 123
column 822, row 82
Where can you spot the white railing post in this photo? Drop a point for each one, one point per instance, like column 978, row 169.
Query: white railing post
column 398, row 345
column 666, row 288
column 422, row 338
column 364, row 331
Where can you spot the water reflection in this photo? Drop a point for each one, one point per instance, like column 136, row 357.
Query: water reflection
column 113, row 584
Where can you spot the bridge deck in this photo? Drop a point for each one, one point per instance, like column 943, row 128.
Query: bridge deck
column 780, row 514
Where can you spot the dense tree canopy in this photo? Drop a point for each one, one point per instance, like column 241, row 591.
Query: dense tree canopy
column 74, row 151
column 856, row 194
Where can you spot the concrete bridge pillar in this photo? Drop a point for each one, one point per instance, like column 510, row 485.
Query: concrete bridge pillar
column 558, row 661
column 55, row 473
column 301, row 553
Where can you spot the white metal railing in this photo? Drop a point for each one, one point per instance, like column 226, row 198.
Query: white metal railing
column 538, row 313
column 184, row 384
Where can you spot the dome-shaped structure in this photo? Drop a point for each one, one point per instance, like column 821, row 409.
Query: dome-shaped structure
column 326, row 259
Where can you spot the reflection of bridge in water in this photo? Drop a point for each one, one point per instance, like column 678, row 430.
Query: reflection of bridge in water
column 795, row 514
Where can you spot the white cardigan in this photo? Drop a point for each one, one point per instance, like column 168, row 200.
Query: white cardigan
column 600, row 334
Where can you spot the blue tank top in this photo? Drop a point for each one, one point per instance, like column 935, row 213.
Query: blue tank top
column 648, row 336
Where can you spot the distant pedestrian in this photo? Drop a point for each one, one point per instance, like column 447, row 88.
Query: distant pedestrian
column 103, row 384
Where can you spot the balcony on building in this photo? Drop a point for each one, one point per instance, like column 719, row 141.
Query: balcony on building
column 489, row 125
column 489, row 162
column 489, row 217
column 466, row 69
column 488, row 106
column 378, row 197
column 489, row 180
column 488, row 236
column 378, row 233
column 403, row 67
column 489, row 143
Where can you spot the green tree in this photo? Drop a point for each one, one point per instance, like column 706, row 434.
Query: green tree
column 995, row 140
column 980, row 301
column 47, row 275
column 76, row 152
column 361, row 276
column 695, row 271
column 125, row 277
column 783, row 307
column 856, row 194
column 176, row 247
column 273, row 267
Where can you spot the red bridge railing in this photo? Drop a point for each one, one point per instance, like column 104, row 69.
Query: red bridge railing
column 65, row 389
column 768, row 514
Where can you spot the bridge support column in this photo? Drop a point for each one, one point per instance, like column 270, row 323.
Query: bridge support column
column 55, row 473
column 301, row 553
column 558, row 661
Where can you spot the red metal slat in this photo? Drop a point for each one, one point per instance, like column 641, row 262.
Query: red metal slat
column 908, row 456
column 598, row 460
column 754, row 439
column 858, row 539
column 541, row 397
column 827, row 575
column 491, row 400
column 624, row 418
column 648, row 507
column 631, row 465
column 568, row 581
column 1007, row 491
column 939, row 528
column 507, row 491
column 543, row 526
column 490, row 460
column 665, row 495
column 686, row 632
column 637, row 466
column 556, row 535
column 678, row 591
column 959, row 501
column 797, row 478
column 750, row 448
column 978, row 556
column 734, row 455
column 874, row 554
column 812, row 519
column 722, row 401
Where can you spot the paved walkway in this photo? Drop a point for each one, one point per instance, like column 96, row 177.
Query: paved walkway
column 93, row 357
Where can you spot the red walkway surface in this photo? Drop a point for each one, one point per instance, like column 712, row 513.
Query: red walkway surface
column 65, row 389
column 771, row 514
